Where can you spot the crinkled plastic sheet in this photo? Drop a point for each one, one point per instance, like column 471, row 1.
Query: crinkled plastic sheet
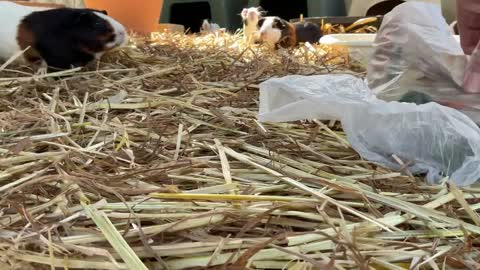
column 430, row 138
column 415, row 50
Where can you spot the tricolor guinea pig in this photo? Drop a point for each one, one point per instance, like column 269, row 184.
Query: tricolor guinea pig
column 250, row 17
column 60, row 37
column 277, row 32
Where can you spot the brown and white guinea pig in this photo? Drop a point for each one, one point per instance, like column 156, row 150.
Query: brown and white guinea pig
column 59, row 37
column 277, row 32
column 250, row 17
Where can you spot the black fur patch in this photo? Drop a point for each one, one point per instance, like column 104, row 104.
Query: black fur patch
column 262, row 11
column 67, row 37
column 260, row 22
column 308, row 32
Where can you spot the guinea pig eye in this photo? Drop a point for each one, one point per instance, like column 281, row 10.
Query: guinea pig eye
column 279, row 25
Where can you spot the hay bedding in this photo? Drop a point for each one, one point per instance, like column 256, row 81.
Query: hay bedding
column 159, row 146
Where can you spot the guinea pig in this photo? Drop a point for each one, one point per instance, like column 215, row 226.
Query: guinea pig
column 250, row 18
column 277, row 32
column 61, row 38
column 208, row 27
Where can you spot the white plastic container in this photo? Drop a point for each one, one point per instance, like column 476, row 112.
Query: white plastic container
column 358, row 46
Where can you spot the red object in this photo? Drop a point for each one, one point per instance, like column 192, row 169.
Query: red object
column 453, row 105
column 141, row 16
column 468, row 20
column 471, row 79
column 468, row 16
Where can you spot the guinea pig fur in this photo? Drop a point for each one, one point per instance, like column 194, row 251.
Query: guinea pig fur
column 208, row 27
column 277, row 32
column 62, row 37
column 250, row 18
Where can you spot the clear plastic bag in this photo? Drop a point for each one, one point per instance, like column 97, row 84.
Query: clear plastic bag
column 415, row 50
column 431, row 138
column 415, row 41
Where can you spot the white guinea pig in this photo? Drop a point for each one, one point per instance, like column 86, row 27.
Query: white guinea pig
column 60, row 37
column 250, row 18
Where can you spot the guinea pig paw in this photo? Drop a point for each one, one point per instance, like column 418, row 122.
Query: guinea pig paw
column 42, row 69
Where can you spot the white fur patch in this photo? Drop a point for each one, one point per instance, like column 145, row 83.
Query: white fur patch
column 268, row 33
column 121, row 36
column 252, row 16
column 10, row 16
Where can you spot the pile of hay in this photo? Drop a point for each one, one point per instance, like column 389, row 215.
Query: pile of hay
column 154, row 160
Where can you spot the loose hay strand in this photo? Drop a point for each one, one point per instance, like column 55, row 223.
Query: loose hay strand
column 114, row 238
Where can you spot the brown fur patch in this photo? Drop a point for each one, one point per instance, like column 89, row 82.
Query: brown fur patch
column 26, row 39
column 293, row 35
column 289, row 41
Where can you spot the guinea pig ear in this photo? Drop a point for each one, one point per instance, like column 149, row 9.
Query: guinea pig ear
column 104, row 12
column 262, row 11
column 244, row 13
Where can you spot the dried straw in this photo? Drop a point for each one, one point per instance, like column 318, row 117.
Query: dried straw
column 154, row 159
